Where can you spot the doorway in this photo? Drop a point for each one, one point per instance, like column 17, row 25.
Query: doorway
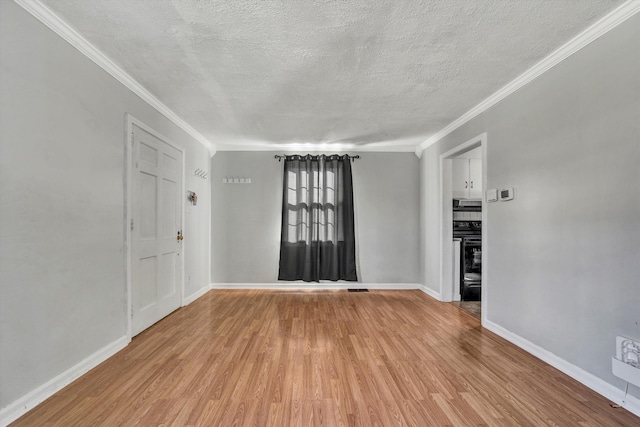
column 450, row 272
column 154, row 226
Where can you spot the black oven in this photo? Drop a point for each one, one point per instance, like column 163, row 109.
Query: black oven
column 467, row 226
column 471, row 268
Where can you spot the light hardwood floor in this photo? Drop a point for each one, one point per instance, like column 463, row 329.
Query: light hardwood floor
column 272, row 358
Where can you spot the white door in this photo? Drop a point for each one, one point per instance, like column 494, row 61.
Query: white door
column 156, row 263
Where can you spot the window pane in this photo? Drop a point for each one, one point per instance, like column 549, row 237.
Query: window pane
column 330, row 187
column 292, row 187
column 331, row 216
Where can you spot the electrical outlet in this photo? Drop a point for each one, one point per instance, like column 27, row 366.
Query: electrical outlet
column 626, row 364
column 628, row 351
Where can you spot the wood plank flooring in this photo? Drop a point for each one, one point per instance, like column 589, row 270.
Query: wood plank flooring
column 324, row 358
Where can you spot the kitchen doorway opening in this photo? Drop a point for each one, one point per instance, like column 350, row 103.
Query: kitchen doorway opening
column 452, row 269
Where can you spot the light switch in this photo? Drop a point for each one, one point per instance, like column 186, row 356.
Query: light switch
column 492, row 195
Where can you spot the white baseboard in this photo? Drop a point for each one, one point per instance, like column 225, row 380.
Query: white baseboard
column 27, row 402
column 431, row 292
column 191, row 298
column 614, row 394
column 293, row 286
column 630, row 403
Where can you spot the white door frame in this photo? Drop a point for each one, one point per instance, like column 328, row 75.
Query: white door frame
column 446, row 221
column 129, row 173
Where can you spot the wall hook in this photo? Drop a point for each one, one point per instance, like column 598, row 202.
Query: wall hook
column 200, row 173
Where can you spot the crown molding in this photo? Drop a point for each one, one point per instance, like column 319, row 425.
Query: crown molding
column 333, row 147
column 70, row 35
column 601, row 27
column 60, row 27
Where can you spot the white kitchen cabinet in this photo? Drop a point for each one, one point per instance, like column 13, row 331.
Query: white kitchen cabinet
column 467, row 179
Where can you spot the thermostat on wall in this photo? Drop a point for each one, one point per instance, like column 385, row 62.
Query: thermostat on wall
column 506, row 194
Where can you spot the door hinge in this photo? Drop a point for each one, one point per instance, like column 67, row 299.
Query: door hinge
column 131, row 224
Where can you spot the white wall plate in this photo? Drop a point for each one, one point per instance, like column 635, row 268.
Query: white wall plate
column 492, row 195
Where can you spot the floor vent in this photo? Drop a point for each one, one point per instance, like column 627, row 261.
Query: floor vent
column 358, row 290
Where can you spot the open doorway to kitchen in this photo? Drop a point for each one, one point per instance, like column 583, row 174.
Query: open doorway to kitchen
column 463, row 226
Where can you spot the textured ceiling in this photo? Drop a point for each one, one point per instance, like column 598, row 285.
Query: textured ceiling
column 350, row 73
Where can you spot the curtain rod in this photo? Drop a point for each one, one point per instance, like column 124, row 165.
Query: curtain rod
column 280, row 157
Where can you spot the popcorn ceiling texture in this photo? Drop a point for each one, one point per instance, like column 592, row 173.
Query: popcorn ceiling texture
column 361, row 72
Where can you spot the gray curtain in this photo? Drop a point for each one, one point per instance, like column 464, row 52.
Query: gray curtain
column 318, row 236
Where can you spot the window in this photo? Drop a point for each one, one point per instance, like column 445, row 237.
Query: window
column 318, row 238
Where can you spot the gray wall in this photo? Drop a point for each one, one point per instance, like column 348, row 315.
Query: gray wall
column 62, row 157
column 245, row 219
column 563, row 256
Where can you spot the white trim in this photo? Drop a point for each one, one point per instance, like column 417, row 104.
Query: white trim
column 431, row 292
column 30, row 400
column 194, row 296
column 64, row 30
column 596, row 384
column 380, row 147
column 322, row 286
column 601, row 27
column 183, row 223
column 70, row 35
column 128, row 212
column 130, row 122
column 484, row 274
